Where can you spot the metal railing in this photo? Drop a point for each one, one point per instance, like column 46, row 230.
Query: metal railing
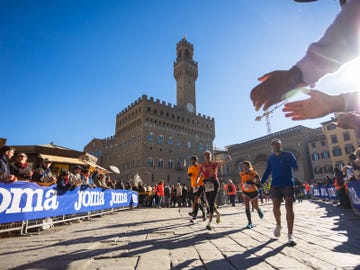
column 23, row 227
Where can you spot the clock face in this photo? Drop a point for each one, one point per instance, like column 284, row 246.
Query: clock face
column 190, row 107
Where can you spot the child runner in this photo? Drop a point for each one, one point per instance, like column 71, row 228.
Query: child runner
column 248, row 182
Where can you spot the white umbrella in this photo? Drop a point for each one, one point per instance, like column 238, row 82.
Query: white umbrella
column 114, row 169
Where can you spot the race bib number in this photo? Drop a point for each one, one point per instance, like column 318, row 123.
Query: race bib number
column 209, row 186
column 247, row 187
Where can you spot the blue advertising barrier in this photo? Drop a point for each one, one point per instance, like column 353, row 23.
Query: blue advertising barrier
column 325, row 192
column 329, row 192
column 27, row 201
column 354, row 194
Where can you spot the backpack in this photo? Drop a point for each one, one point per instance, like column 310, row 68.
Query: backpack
column 230, row 188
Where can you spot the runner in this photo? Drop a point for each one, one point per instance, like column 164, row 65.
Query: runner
column 197, row 189
column 281, row 164
column 209, row 171
column 249, row 180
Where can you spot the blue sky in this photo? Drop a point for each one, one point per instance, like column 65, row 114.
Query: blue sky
column 68, row 67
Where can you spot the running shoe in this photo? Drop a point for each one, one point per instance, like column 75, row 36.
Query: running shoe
column 249, row 226
column 291, row 242
column 277, row 231
column 193, row 221
column 191, row 214
column 261, row 214
column 208, row 227
column 218, row 219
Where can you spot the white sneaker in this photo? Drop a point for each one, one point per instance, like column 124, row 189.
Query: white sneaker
column 291, row 242
column 277, row 231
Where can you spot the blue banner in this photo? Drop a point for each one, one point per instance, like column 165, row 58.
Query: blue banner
column 26, row 201
column 325, row 192
column 354, row 194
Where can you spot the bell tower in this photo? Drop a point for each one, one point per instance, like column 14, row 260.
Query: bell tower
column 185, row 73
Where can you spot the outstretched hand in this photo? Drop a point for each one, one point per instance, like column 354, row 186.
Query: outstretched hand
column 273, row 89
column 349, row 121
column 318, row 105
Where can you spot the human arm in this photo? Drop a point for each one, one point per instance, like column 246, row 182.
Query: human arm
column 339, row 44
column 221, row 163
column 349, row 121
column 267, row 172
column 320, row 104
column 293, row 162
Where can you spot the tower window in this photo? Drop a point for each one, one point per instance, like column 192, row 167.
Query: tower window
column 187, row 54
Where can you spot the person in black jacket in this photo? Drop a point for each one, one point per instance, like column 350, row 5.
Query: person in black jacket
column 6, row 154
column 20, row 167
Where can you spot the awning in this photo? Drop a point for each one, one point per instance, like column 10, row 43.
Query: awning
column 66, row 160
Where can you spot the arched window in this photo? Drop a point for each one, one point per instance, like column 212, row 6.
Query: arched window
column 150, row 137
column 170, row 164
column 161, row 163
column 161, row 139
column 150, row 162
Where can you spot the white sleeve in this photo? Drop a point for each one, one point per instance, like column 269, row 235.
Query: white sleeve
column 340, row 44
column 351, row 101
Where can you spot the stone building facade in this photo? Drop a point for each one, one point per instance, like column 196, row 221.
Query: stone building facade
column 341, row 143
column 156, row 139
column 320, row 157
column 257, row 151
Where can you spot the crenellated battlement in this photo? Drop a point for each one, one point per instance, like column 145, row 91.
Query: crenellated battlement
column 160, row 104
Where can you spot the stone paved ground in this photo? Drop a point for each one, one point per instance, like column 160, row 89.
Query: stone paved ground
column 147, row 239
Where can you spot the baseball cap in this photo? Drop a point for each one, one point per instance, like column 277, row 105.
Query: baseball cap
column 276, row 140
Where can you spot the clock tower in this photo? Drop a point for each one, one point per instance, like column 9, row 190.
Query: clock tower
column 185, row 73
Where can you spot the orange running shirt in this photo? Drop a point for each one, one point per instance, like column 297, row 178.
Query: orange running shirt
column 194, row 171
column 248, row 176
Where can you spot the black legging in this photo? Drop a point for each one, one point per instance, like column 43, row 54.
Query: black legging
column 211, row 196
